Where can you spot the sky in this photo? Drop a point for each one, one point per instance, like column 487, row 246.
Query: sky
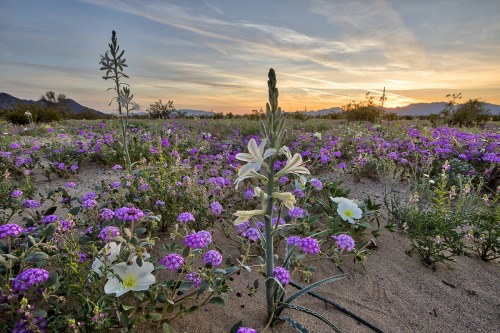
column 216, row 54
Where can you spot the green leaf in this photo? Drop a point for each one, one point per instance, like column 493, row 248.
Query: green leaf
column 294, row 324
column 312, row 313
column 52, row 280
column 140, row 231
column 49, row 231
column 36, row 257
column 155, row 316
column 74, row 211
column 39, row 313
column 139, row 295
column 312, row 286
column 217, row 300
column 235, row 327
column 127, row 307
column 167, row 328
column 50, row 211
column 246, row 268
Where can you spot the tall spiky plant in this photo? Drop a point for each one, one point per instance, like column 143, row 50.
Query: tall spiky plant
column 113, row 63
column 260, row 166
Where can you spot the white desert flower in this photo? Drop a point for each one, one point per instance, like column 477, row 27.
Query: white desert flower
column 244, row 215
column 129, row 277
column 348, row 210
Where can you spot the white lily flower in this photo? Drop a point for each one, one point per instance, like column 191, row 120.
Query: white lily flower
column 287, row 198
column 256, row 154
column 293, row 165
column 132, row 277
column 317, row 135
column 244, row 215
column 349, row 211
column 109, row 254
column 248, row 171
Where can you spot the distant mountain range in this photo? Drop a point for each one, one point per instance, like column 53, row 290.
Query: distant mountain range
column 418, row 109
column 8, row 102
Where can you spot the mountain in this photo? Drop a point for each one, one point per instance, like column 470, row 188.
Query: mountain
column 8, row 102
column 416, row 109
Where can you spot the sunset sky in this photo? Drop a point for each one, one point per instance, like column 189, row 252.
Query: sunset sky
column 215, row 54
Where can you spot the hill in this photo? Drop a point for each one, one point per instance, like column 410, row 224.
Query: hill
column 8, row 102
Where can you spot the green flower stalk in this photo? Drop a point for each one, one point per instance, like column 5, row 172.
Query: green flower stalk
column 113, row 65
column 274, row 133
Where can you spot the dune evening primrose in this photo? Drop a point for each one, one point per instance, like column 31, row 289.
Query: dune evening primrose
column 348, row 210
column 129, row 277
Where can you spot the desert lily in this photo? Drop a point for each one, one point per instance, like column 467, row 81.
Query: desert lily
column 287, row 198
column 256, row 155
column 294, row 165
column 244, row 215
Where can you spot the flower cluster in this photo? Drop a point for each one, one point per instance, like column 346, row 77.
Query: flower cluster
column 309, row 245
column 129, row 214
column 185, row 217
column 29, row 278
column 10, row 230
column 172, row 261
column 198, row 240
column 108, row 233
column 282, row 275
column 212, row 257
column 344, row 242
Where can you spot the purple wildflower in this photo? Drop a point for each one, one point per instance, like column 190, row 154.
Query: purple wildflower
column 28, row 278
column 216, row 208
column 117, row 167
column 50, row 219
column 70, row 184
column 193, row 277
column 296, row 213
column 172, row 261
column 31, row 325
column 115, row 185
column 213, row 257
column 293, row 240
column 65, row 225
column 246, row 330
column 73, row 167
column 185, row 217
column 108, row 233
column 309, row 245
column 106, row 214
column 16, row 194
column 249, row 194
column 298, row 193
column 344, row 242
column 90, row 195
column 283, row 180
column 198, row 240
column 31, row 204
column 10, row 229
column 282, row 275
column 82, row 257
column 89, row 203
column 252, row 234
column 160, row 203
column 317, row 184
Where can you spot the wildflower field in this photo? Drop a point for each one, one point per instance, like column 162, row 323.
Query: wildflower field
column 87, row 245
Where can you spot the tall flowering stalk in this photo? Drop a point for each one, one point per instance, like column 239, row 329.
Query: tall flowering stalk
column 260, row 165
column 113, row 65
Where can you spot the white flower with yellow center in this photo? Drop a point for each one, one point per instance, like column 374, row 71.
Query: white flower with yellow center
column 348, row 210
column 129, row 277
